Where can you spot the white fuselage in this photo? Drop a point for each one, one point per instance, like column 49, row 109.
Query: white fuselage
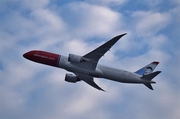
column 102, row 71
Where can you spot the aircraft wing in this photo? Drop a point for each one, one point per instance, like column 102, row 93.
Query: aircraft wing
column 89, row 80
column 94, row 56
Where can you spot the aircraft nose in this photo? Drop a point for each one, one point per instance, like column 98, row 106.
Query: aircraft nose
column 25, row 55
column 28, row 55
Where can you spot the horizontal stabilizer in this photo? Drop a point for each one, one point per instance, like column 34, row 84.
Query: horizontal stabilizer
column 150, row 76
column 148, row 85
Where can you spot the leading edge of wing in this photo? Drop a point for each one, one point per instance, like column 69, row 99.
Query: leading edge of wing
column 97, row 53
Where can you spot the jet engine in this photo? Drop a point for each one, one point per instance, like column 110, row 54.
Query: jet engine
column 75, row 58
column 71, row 78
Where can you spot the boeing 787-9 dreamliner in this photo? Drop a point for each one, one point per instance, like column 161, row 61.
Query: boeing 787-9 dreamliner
column 86, row 67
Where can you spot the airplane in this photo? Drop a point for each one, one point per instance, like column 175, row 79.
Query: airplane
column 86, row 68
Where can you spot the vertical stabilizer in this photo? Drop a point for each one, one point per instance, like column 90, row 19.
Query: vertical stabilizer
column 147, row 69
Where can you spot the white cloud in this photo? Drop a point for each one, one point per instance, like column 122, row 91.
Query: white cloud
column 46, row 18
column 107, row 2
column 92, row 20
column 152, row 4
column 76, row 47
column 34, row 4
column 149, row 22
column 30, row 90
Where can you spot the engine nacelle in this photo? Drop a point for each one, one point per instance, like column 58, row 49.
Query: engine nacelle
column 71, row 78
column 75, row 58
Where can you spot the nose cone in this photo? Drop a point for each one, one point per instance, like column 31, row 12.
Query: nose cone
column 25, row 55
column 28, row 55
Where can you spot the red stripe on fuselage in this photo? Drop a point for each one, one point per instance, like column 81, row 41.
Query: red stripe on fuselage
column 43, row 57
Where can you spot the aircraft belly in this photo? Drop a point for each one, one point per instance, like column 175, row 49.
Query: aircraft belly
column 119, row 75
column 121, row 78
column 113, row 75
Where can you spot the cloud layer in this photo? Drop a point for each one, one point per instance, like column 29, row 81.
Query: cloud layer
column 30, row 90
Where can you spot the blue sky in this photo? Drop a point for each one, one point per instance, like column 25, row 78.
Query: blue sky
column 33, row 91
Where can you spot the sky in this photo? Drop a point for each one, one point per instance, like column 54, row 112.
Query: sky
column 34, row 91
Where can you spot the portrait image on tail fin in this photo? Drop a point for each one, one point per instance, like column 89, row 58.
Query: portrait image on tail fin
column 148, row 70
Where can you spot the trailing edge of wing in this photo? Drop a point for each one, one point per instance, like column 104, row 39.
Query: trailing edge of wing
column 97, row 53
column 94, row 55
column 89, row 80
column 93, row 84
